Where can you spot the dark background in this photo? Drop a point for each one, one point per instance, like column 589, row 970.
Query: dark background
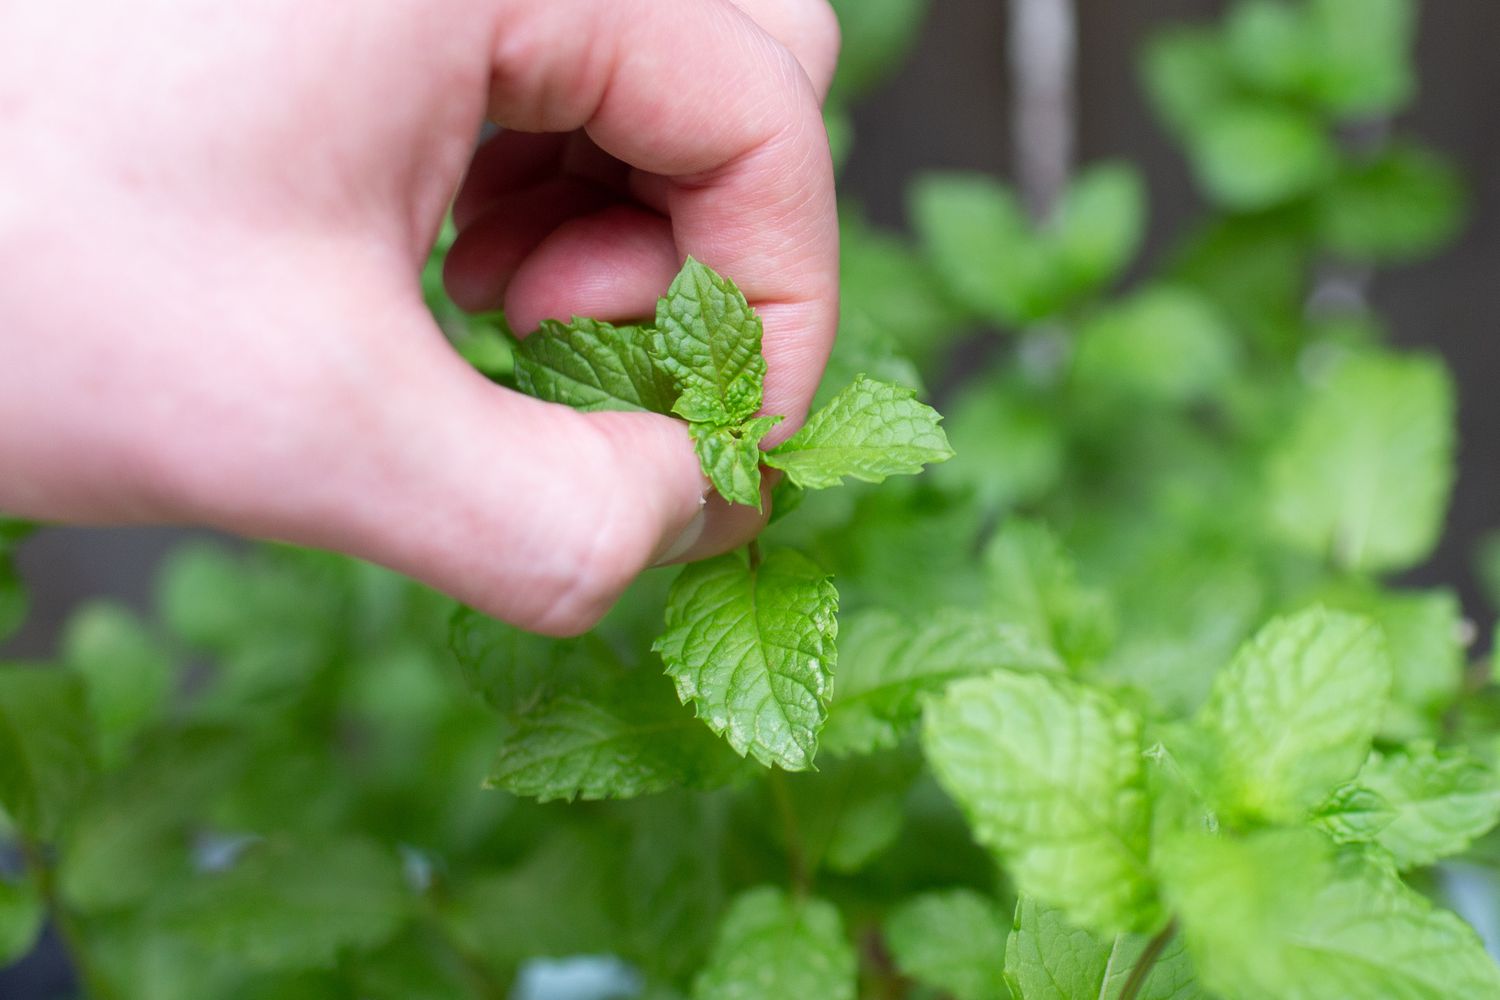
column 947, row 108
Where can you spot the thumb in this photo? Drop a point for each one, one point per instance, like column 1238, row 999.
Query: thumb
column 529, row 511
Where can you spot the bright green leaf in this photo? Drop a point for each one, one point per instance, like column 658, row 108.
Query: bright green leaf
column 1099, row 224
column 731, row 457
column 590, row 365
column 1271, row 917
column 1364, row 55
column 952, row 940
column 1032, row 583
column 1186, row 72
column 129, row 673
column 888, row 662
column 751, row 647
column 769, row 945
column 708, row 338
column 1051, row 776
column 1364, row 475
column 1048, row 959
column 869, row 431
column 1255, row 156
column 628, row 739
column 977, row 237
column 1442, row 801
column 1294, row 714
column 1165, row 345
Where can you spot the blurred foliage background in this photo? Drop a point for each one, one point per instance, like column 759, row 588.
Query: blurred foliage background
column 262, row 770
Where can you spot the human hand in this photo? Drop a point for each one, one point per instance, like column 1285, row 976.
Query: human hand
column 213, row 218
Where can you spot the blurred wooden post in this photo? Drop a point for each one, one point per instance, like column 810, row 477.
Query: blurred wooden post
column 1043, row 59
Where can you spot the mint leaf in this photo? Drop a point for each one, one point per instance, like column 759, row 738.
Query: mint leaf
column 1032, row 583
column 1271, row 917
column 769, row 945
column 619, row 742
column 47, row 747
column 708, row 338
column 1403, row 205
column 1165, row 345
column 129, row 673
column 1365, row 55
column 1051, row 776
column 731, row 457
column 752, row 648
column 1364, row 476
column 21, row 919
column 1099, row 224
column 848, row 812
column 513, row 670
column 590, row 365
column 287, row 905
column 888, row 662
column 976, row 235
column 1188, row 77
column 952, row 940
column 1442, row 800
column 1293, row 715
column 869, row 431
column 1353, row 815
column 1252, row 156
column 1046, row 958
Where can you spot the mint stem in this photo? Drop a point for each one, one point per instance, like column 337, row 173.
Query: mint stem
column 1143, row 966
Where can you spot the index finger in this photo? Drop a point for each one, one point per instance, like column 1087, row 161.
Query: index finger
column 695, row 91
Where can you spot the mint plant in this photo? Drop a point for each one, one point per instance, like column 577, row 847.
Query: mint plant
column 1132, row 698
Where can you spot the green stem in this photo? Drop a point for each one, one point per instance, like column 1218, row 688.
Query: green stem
column 791, row 833
column 67, row 927
column 1147, row 961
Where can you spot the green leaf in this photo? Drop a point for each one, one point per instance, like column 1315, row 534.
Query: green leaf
column 21, row 917
column 1165, row 345
column 888, row 662
column 876, row 35
column 1424, row 634
column 848, row 812
column 1364, row 475
column 1099, row 224
column 1364, row 55
column 1048, row 959
column 1032, row 584
column 590, row 365
column 1353, row 815
column 1293, row 715
column 1250, row 157
column 1051, row 776
column 977, row 237
column 731, row 457
column 514, row 670
column 47, row 747
column 708, row 339
column 1403, row 205
column 869, row 431
column 129, row 673
column 752, row 648
column 1186, row 73
column 285, row 905
column 1271, row 917
column 1271, row 44
column 1442, row 801
column 618, row 742
column 952, row 940
column 769, row 945
column 1009, row 444
column 672, row 882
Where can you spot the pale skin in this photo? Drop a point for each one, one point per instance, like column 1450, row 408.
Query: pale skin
column 212, row 220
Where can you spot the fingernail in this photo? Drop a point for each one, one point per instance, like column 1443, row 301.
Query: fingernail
column 689, row 537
